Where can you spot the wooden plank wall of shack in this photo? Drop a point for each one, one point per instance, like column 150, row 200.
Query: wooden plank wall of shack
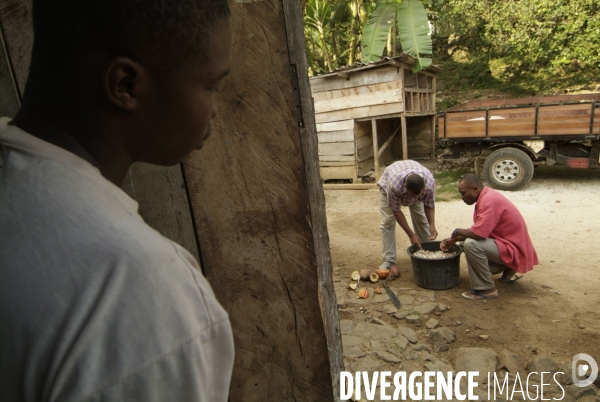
column 159, row 191
column 259, row 211
column 340, row 99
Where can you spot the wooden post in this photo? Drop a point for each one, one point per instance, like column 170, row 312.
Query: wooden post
column 260, row 214
column 375, row 148
column 433, row 121
column 404, row 137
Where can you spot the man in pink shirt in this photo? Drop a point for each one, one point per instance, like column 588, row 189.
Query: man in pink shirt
column 497, row 242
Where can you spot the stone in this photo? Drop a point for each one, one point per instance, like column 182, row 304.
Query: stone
column 476, row 359
column 354, row 351
column 376, row 320
column 401, row 315
column 510, row 361
column 443, row 333
column 346, row 326
column 484, row 337
column 429, row 295
column 426, row 308
column 442, row 307
column 580, row 392
column 413, row 319
column 542, row 363
column 432, row 323
column 388, row 357
column 366, row 364
column 374, row 331
column 351, row 340
column 411, row 355
column 421, row 346
column 390, row 309
column 440, row 345
column 341, row 304
column 408, row 333
column 436, row 364
column 406, row 300
column 400, row 342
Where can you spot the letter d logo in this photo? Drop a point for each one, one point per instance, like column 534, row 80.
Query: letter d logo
column 582, row 369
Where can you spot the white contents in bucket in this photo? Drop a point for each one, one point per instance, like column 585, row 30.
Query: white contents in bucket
column 433, row 255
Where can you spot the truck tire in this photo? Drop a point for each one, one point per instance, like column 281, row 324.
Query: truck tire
column 508, row 169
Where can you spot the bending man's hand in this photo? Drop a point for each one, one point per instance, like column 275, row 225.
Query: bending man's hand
column 446, row 244
column 414, row 240
column 433, row 233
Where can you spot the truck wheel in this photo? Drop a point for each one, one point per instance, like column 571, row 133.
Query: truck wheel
column 508, row 169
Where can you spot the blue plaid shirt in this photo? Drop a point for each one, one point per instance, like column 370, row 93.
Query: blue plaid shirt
column 392, row 184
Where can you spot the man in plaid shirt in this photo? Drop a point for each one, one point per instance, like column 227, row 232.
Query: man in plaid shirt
column 408, row 184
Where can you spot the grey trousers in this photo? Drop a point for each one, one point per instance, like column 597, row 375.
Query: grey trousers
column 483, row 260
column 388, row 228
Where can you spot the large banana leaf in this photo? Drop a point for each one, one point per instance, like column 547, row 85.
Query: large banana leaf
column 413, row 29
column 375, row 32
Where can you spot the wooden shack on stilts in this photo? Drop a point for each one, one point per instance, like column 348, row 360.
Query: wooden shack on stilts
column 370, row 115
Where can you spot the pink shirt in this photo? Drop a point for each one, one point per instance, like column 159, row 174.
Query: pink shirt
column 497, row 218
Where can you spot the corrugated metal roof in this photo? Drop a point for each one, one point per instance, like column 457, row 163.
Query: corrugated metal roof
column 358, row 66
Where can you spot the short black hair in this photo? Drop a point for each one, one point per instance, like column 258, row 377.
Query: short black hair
column 148, row 31
column 414, row 183
column 472, row 180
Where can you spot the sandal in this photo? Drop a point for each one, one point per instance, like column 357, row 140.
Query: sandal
column 474, row 294
column 510, row 280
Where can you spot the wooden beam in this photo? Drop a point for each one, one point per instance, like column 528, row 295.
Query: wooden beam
column 375, row 147
column 364, row 186
column 404, row 138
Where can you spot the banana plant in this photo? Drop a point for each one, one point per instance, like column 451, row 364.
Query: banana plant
column 409, row 18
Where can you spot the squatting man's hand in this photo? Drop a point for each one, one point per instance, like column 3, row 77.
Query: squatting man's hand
column 446, row 244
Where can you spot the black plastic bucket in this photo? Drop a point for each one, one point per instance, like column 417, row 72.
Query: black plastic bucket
column 443, row 273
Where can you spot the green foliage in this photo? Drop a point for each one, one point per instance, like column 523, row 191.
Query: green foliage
column 520, row 47
column 413, row 28
column 376, row 31
column 447, row 184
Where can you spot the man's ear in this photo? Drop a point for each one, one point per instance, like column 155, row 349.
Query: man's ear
column 123, row 81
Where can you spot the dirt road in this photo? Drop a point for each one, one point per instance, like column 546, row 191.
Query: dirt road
column 552, row 311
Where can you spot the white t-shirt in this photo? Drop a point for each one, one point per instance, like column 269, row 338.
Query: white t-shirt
column 94, row 304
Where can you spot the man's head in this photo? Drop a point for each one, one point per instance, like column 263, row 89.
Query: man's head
column 136, row 74
column 469, row 187
column 414, row 184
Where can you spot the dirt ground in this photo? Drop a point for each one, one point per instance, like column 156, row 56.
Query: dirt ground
column 552, row 311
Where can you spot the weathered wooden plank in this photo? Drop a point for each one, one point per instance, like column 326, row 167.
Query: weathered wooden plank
column 336, row 158
column 352, row 101
column 465, row 124
column 163, row 203
column 339, row 172
column 316, row 200
column 372, row 76
column 361, row 186
column 365, row 153
column 365, row 111
column 336, row 126
column 336, row 136
column 331, row 163
column 596, row 129
column 259, row 210
column 364, row 141
column 362, row 129
column 336, row 148
column 18, row 31
column 404, row 138
column 363, row 90
column 440, row 124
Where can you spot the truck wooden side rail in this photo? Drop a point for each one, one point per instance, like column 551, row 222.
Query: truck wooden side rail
column 511, row 136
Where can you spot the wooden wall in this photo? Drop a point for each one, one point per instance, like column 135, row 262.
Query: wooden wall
column 260, row 214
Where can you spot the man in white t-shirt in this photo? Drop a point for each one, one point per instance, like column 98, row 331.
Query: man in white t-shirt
column 95, row 305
